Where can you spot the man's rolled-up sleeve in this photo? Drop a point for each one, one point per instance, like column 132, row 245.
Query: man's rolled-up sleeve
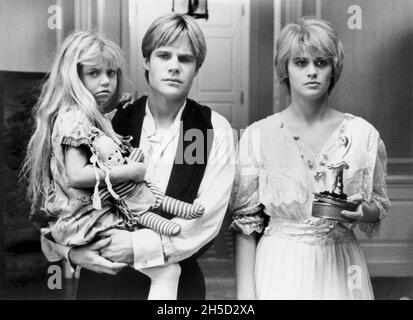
column 147, row 249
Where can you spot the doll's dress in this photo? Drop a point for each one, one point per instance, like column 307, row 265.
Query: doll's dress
column 299, row 256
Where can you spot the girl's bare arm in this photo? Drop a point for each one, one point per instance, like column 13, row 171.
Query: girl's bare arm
column 81, row 173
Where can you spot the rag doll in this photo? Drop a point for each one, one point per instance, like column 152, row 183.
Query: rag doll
column 136, row 202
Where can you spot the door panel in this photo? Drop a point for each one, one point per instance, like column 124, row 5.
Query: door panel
column 219, row 83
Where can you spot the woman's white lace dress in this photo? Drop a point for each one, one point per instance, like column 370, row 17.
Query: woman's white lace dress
column 298, row 256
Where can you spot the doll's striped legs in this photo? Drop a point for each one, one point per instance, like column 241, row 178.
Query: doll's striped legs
column 159, row 224
column 182, row 209
column 175, row 206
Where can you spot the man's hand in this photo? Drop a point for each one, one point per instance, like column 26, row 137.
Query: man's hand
column 88, row 257
column 120, row 248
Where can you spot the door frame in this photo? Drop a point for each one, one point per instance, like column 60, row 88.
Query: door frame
column 245, row 67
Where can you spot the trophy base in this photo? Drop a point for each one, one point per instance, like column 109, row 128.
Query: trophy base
column 329, row 207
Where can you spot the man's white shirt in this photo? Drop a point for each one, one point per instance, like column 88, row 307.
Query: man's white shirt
column 152, row 249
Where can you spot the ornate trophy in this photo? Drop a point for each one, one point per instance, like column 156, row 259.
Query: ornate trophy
column 329, row 204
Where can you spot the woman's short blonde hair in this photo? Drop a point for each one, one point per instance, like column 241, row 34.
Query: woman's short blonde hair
column 311, row 35
column 169, row 29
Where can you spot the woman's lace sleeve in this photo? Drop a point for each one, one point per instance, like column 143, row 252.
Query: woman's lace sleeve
column 245, row 206
column 379, row 195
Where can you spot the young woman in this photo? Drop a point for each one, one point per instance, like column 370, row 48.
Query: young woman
column 284, row 159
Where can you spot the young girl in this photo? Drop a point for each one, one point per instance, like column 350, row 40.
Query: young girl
column 84, row 84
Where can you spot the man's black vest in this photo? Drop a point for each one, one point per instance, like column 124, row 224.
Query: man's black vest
column 185, row 178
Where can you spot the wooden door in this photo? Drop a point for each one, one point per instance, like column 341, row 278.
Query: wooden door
column 220, row 81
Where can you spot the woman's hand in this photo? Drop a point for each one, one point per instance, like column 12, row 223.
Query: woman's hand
column 126, row 100
column 137, row 170
column 357, row 215
column 88, row 257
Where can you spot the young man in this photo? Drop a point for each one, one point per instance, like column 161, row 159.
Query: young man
column 190, row 157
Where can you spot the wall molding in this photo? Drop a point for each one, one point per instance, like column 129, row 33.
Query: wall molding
column 100, row 15
column 293, row 10
column 83, row 15
column 277, row 94
column 59, row 31
column 318, row 11
column 389, row 259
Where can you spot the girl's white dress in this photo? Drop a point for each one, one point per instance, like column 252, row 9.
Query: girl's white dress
column 299, row 256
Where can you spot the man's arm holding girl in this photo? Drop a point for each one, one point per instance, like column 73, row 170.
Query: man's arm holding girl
column 146, row 248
